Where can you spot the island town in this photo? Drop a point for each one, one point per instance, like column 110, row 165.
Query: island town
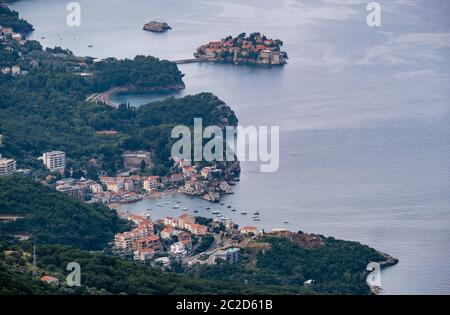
column 253, row 49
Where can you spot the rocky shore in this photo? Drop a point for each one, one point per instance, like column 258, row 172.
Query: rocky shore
column 387, row 262
column 157, row 27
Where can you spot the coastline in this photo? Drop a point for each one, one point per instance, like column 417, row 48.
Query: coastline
column 388, row 261
column 105, row 97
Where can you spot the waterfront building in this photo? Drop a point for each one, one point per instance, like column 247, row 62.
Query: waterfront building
column 103, row 197
column 54, row 160
column 151, row 183
column 115, row 185
column 128, row 185
column 184, row 220
column 7, row 166
column 171, row 221
column 249, row 229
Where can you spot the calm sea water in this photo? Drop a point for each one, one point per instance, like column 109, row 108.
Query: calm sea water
column 363, row 113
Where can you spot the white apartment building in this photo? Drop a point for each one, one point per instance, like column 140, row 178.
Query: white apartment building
column 178, row 249
column 151, row 183
column 55, row 160
column 7, row 166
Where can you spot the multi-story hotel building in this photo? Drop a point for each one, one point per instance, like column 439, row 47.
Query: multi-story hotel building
column 55, row 160
column 7, row 166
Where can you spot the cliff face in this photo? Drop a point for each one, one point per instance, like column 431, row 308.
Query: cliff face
column 158, row 27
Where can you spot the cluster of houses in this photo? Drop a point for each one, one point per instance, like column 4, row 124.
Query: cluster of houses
column 145, row 243
column 253, row 49
column 206, row 182
column 173, row 240
column 7, row 33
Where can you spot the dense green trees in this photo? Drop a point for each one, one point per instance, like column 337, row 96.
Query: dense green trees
column 142, row 73
column 53, row 217
column 46, row 110
column 9, row 18
column 337, row 267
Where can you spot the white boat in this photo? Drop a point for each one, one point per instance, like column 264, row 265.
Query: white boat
column 184, row 209
column 216, row 212
column 176, row 207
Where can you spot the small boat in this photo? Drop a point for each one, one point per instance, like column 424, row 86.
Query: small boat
column 167, row 202
column 178, row 201
column 222, row 204
column 219, row 215
column 148, row 209
column 229, row 207
column 90, row 46
column 234, row 209
column 195, row 211
column 216, row 212
column 243, row 212
column 256, row 213
column 176, row 207
column 286, row 222
column 208, row 208
column 159, row 205
column 257, row 219
column 184, row 209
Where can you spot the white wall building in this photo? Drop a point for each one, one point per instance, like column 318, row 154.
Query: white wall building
column 178, row 249
column 55, row 160
column 151, row 183
column 7, row 166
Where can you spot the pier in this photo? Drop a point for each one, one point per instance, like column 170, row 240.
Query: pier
column 184, row 61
